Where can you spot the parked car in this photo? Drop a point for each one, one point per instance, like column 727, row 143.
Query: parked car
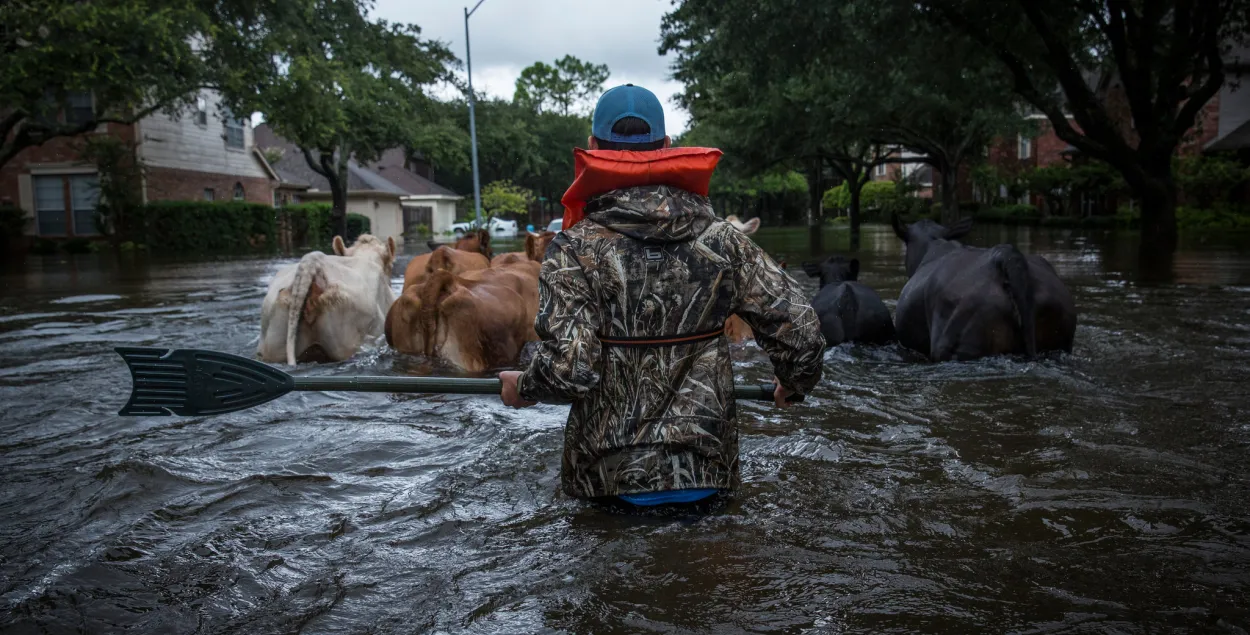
column 555, row 225
column 497, row 227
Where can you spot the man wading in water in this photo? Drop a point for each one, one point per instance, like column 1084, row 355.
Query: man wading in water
column 632, row 305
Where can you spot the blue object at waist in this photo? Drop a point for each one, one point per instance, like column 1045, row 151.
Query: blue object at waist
column 670, row 496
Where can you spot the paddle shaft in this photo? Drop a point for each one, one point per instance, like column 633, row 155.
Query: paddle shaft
column 192, row 382
column 456, row 385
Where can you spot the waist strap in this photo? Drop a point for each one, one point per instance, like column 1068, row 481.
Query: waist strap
column 654, row 342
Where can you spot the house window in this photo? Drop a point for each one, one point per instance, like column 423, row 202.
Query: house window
column 880, row 169
column 84, row 195
column 1025, row 150
column 201, row 111
column 234, row 132
column 209, row 194
column 238, row 192
column 57, row 215
column 79, row 108
column 50, row 214
column 277, row 201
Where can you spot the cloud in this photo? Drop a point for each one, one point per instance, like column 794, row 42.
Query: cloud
column 508, row 35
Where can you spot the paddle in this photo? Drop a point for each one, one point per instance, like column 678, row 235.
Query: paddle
column 191, row 382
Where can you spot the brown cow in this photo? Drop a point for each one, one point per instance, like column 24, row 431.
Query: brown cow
column 477, row 321
column 474, row 244
column 535, row 250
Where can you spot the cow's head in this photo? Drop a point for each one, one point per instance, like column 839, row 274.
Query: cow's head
column 920, row 235
column 833, row 270
column 477, row 240
column 536, row 244
column 748, row 228
column 368, row 244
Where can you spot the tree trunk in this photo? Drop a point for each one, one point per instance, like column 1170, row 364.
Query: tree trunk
column 854, row 187
column 815, row 217
column 949, row 194
column 338, row 202
column 1158, row 212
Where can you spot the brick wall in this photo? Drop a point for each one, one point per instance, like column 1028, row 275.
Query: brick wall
column 61, row 150
column 169, row 184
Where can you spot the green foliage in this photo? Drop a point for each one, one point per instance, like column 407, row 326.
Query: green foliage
column 570, row 86
column 120, row 180
column 874, row 197
column 231, row 226
column 200, row 226
column 310, row 224
column 340, row 85
column 134, row 56
column 756, row 69
column 1015, row 214
column 1208, row 180
column 502, row 197
column 1222, row 217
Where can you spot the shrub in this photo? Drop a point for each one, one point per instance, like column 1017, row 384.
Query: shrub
column 191, row 226
column 1223, row 217
column 310, row 225
column 1208, row 180
column 12, row 221
column 1016, row 214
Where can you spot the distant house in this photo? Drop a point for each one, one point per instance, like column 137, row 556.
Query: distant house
column 198, row 155
column 396, row 192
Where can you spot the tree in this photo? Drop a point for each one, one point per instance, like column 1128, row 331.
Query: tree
column 570, row 86
column 340, row 86
column 503, row 197
column 71, row 66
column 830, row 85
column 1132, row 75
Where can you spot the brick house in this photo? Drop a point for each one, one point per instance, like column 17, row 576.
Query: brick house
column 199, row 155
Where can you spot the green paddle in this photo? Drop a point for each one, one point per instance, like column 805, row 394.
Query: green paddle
column 189, row 382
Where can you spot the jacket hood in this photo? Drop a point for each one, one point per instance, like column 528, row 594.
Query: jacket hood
column 652, row 213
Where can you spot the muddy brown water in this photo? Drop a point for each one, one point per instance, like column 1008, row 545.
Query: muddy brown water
column 1102, row 492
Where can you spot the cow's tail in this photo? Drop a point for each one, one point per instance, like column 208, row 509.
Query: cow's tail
column 1019, row 285
column 304, row 273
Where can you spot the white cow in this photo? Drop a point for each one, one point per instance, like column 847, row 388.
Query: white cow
column 324, row 307
column 747, row 228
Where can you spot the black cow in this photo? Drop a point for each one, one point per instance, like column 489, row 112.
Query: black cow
column 848, row 311
column 966, row 302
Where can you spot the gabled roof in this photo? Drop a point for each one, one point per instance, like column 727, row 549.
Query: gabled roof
column 388, row 174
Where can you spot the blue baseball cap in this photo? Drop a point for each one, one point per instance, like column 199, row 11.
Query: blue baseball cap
column 628, row 101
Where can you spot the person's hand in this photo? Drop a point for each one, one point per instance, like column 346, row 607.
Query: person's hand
column 508, row 392
column 780, row 395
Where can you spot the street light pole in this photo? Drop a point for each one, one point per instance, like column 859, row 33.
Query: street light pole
column 468, row 57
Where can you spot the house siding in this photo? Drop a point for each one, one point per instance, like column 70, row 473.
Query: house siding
column 183, row 144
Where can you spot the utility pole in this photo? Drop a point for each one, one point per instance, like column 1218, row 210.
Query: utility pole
column 468, row 58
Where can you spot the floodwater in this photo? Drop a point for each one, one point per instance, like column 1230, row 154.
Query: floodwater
column 1102, row 492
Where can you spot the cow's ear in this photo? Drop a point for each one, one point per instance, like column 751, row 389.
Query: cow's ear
column 751, row 226
column 812, row 269
column 958, row 230
column 390, row 248
column 899, row 229
column 854, row 268
column 339, row 247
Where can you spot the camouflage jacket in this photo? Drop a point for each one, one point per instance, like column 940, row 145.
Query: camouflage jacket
column 654, row 261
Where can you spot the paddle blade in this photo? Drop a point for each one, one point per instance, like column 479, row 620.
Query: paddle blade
column 190, row 382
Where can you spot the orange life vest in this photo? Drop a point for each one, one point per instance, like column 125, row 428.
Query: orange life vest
column 600, row 171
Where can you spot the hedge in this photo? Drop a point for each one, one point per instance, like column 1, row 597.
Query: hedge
column 1008, row 214
column 189, row 226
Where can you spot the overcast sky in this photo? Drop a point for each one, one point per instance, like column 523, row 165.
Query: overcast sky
column 508, row 35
